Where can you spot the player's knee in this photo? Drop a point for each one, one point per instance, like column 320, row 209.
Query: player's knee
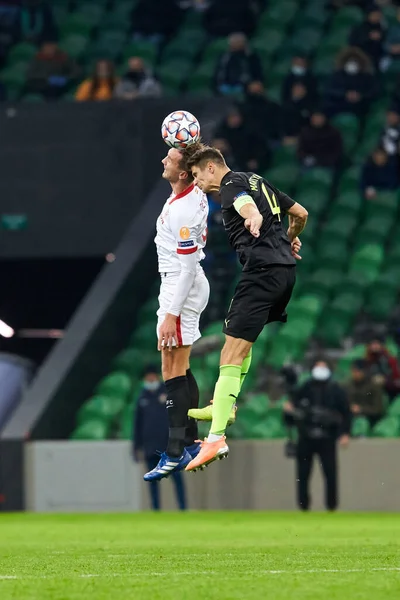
column 234, row 353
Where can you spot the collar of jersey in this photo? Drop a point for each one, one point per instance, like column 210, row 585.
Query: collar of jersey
column 225, row 177
column 184, row 193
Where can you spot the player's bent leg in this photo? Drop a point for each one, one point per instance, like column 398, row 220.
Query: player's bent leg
column 226, row 392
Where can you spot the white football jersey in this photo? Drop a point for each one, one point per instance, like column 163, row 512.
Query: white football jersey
column 181, row 228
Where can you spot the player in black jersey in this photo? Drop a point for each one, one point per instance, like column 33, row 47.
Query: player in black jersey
column 252, row 211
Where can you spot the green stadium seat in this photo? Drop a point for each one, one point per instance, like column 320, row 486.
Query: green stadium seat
column 114, row 21
column 201, row 78
column 74, row 45
column 347, row 305
column 394, row 408
column 76, row 23
column 181, row 46
column 341, row 226
column 33, row 98
column 93, row 430
column 133, row 360
column 348, row 16
column 268, row 42
column 101, row 408
column 115, row 385
column 283, row 176
column 307, row 305
column 323, row 280
column 350, row 180
column 324, row 64
column 349, row 127
column 377, row 227
column 380, row 303
column 283, row 11
column 214, row 50
column 174, row 73
column 144, row 337
column 92, row 11
column 278, row 70
column 389, row 427
column 314, row 200
column 384, row 204
column 305, row 40
column 284, row 155
column 22, row 52
column 349, row 202
column 332, row 328
column 126, row 423
column 109, row 45
column 333, row 253
column 360, row 427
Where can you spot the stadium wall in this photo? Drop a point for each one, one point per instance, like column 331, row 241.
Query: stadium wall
column 100, row 476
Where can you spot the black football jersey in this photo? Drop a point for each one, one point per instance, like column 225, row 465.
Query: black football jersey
column 273, row 246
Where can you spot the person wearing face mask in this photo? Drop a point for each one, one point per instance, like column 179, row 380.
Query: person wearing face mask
column 137, row 82
column 320, row 411
column 370, row 36
column 353, row 85
column 237, row 67
column 150, row 433
column 384, row 368
column 300, row 75
column 320, row 143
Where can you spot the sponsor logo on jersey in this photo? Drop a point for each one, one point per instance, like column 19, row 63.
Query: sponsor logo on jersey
column 187, row 244
column 184, row 233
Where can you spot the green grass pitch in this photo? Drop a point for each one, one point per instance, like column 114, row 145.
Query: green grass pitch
column 207, row 555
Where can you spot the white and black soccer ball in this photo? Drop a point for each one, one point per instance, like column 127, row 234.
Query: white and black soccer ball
column 180, row 129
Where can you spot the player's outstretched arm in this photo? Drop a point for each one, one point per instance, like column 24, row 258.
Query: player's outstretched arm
column 247, row 209
column 297, row 220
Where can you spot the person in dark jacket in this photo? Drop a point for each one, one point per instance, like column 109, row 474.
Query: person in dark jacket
column 51, row 71
column 365, row 397
column 384, row 367
column 353, row 85
column 237, row 67
column 370, row 35
column 150, row 433
column 300, row 74
column 262, row 115
column 249, row 150
column 321, row 413
column 320, row 143
column 380, row 172
column 223, row 18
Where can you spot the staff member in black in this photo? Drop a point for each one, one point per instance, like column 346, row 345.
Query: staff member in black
column 321, row 413
column 252, row 211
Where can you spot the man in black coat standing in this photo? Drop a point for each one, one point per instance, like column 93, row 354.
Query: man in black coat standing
column 150, row 433
column 321, row 413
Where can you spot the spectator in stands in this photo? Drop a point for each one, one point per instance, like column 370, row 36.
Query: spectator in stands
column 156, row 20
column 224, row 18
column 250, row 151
column 370, row 35
column 320, row 412
column 391, row 133
column 297, row 111
column 223, row 146
column 383, row 366
column 237, row 67
column 353, row 85
column 392, row 42
column 150, row 432
column 37, row 22
column 320, row 143
column 137, row 82
column 380, row 173
column 366, row 398
column 261, row 114
column 300, row 75
column 101, row 85
column 51, row 72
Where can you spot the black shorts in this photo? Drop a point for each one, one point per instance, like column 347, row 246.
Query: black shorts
column 260, row 297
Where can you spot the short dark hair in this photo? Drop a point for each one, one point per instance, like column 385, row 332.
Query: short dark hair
column 206, row 154
column 186, row 154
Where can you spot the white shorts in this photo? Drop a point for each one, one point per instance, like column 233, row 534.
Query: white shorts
column 187, row 323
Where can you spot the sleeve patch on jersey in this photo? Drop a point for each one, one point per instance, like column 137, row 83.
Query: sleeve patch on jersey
column 187, row 250
column 184, row 233
column 240, row 194
column 186, row 244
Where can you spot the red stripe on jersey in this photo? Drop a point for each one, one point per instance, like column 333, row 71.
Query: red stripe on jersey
column 179, row 331
column 184, row 193
column 187, row 250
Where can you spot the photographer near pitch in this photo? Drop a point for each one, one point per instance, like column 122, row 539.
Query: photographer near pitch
column 320, row 412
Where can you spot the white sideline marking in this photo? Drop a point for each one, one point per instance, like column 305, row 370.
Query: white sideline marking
column 191, row 573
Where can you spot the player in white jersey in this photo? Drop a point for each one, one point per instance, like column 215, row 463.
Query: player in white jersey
column 181, row 237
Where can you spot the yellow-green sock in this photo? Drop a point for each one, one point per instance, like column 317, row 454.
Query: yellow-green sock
column 245, row 367
column 226, row 391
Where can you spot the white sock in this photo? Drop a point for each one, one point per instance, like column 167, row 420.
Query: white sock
column 214, row 437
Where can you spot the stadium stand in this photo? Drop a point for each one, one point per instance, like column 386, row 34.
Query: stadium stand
column 348, row 279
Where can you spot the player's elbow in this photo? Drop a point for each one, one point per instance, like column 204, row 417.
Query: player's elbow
column 303, row 214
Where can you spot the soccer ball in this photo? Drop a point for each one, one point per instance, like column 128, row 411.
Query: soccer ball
column 180, row 129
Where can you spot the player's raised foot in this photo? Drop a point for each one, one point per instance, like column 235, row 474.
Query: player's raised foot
column 209, row 452
column 194, row 449
column 205, row 414
column 167, row 465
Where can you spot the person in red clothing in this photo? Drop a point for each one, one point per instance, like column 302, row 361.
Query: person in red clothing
column 383, row 366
